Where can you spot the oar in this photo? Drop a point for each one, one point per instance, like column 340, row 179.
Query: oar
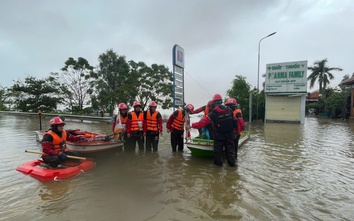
column 69, row 156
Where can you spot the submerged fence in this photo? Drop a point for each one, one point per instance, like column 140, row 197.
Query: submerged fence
column 67, row 116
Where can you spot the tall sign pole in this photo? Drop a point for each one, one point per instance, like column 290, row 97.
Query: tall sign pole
column 178, row 76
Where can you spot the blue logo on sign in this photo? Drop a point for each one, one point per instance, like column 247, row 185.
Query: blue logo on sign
column 180, row 56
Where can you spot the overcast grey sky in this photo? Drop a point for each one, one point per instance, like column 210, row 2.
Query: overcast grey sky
column 220, row 38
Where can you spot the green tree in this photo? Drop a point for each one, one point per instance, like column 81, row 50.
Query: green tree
column 75, row 79
column 333, row 101
column 4, row 97
column 114, row 82
column 117, row 80
column 240, row 90
column 36, row 94
column 155, row 84
column 346, row 90
column 322, row 73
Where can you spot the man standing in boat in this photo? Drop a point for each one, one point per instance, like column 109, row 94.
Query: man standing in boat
column 224, row 123
column 134, row 127
column 53, row 143
column 175, row 125
column 232, row 104
column 152, row 127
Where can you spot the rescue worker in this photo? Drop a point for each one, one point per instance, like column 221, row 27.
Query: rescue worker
column 134, row 128
column 54, row 143
column 224, row 123
column 119, row 124
column 206, row 109
column 175, row 125
column 232, row 104
column 152, row 127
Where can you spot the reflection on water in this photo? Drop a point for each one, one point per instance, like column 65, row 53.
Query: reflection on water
column 53, row 195
column 284, row 172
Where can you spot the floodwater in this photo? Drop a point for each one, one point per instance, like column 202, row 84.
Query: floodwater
column 284, row 172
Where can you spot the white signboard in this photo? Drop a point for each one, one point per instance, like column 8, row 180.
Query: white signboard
column 178, row 56
column 178, row 102
column 179, row 90
column 178, row 76
column 287, row 77
column 179, row 96
column 179, row 83
column 179, row 99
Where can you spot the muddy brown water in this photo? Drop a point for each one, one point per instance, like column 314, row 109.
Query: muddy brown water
column 284, row 172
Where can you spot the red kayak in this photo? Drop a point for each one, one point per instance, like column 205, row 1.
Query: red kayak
column 40, row 171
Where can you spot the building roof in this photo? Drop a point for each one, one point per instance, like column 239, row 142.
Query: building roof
column 314, row 95
column 349, row 81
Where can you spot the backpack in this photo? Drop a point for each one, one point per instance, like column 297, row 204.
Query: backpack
column 224, row 122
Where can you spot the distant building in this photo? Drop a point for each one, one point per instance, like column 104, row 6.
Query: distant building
column 350, row 82
column 285, row 92
column 312, row 97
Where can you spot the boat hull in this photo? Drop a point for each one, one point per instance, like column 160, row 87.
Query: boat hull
column 200, row 149
column 92, row 146
column 36, row 170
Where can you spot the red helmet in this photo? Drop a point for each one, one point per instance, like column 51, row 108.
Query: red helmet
column 152, row 104
column 217, row 97
column 122, row 106
column 136, row 103
column 55, row 121
column 190, row 107
column 231, row 100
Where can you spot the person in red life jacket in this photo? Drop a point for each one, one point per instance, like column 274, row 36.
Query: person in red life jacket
column 152, row 127
column 54, row 143
column 134, row 128
column 232, row 104
column 224, row 123
column 206, row 109
column 119, row 122
column 175, row 125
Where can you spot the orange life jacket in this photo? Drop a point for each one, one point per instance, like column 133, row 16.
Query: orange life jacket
column 238, row 129
column 238, row 111
column 122, row 119
column 206, row 111
column 135, row 121
column 58, row 142
column 179, row 121
column 151, row 121
column 119, row 124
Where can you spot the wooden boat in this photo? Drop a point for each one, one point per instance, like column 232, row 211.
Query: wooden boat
column 97, row 142
column 205, row 148
column 39, row 170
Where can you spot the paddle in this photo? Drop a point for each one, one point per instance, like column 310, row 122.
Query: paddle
column 69, row 156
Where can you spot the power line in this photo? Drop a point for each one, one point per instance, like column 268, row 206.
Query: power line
column 194, row 81
column 199, row 84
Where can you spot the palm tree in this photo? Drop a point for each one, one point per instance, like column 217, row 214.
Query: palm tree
column 322, row 73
